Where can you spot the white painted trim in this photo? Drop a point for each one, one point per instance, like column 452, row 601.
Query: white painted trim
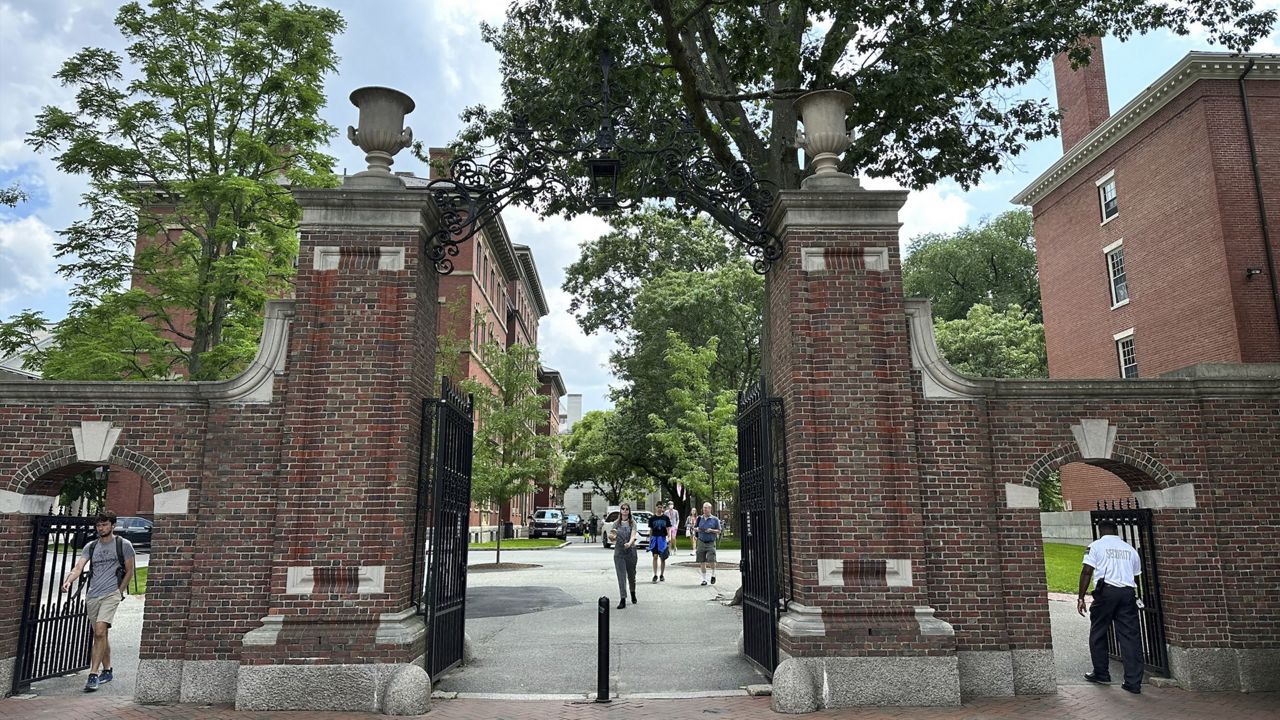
column 1193, row 67
column 326, row 258
column 1122, row 335
column 1110, row 174
column 1108, row 249
column 813, row 259
column 174, row 502
column 94, row 440
column 1178, row 496
column 20, row 504
column 1113, row 217
column 1021, row 496
column 1120, row 304
column 876, row 259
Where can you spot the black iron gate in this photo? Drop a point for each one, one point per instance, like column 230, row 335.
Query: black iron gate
column 444, row 497
column 1135, row 527
column 762, row 498
column 54, row 636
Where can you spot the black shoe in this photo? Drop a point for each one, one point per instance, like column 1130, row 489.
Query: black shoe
column 622, row 603
column 1094, row 678
column 713, row 579
column 704, row 582
column 1136, row 690
column 634, row 601
column 655, row 579
column 662, row 578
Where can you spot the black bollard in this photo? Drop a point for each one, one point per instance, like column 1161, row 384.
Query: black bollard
column 602, row 657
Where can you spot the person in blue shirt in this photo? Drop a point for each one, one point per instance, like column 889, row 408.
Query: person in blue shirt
column 707, row 531
column 659, row 545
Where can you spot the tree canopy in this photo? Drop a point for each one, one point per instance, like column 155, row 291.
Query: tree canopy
column 594, row 457
column 510, row 454
column 992, row 264
column 932, row 79
column 190, row 144
column 994, row 343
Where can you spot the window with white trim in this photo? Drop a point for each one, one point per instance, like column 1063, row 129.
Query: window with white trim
column 1127, row 355
column 1107, row 199
column 1115, row 272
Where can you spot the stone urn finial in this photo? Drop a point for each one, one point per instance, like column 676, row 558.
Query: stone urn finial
column 381, row 133
column 824, row 138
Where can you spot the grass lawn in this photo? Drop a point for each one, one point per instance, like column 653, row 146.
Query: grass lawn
column 726, row 543
column 1062, row 566
column 518, row 544
column 138, row 585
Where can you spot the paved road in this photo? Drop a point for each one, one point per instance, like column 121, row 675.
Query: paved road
column 535, row 628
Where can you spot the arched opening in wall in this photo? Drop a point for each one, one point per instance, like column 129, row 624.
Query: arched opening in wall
column 56, row 639
column 1067, row 534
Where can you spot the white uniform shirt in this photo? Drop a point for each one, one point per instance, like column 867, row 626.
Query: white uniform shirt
column 1114, row 561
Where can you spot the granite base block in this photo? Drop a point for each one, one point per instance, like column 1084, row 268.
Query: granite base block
column 1034, row 672
column 1259, row 669
column 6, row 675
column 807, row 684
column 985, row 673
column 1205, row 669
column 393, row 688
column 208, row 682
column 159, row 681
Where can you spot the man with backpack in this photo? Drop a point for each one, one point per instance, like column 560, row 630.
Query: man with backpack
column 110, row 560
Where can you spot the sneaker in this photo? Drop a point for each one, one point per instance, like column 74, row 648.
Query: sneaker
column 713, row 579
column 105, row 677
column 662, row 578
column 655, row 578
column 1095, row 678
column 91, row 684
column 1132, row 688
column 704, row 582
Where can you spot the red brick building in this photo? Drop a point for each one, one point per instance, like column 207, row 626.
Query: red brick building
column 1157, row 229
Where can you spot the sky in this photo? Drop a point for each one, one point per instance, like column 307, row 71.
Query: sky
column 432, row 50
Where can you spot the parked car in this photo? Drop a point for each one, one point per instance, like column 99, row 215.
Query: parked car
column 642, row 524
column 574, row 524
column 135, row 529
column 548, row 522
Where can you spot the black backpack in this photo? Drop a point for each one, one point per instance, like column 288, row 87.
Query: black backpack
column 119, row 558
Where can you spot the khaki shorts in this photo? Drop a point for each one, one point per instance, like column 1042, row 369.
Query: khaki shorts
column 102, row 609
column 706, row 552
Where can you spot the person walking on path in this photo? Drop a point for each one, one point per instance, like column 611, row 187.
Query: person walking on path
column 624, row 537
column 593, row 526
column 1114, row 565
column 674, row 516
column 708, row 531
column 690, row 529
column 111, row 563
column 659, row 542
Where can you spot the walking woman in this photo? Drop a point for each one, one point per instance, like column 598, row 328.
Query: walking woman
column 624, row 537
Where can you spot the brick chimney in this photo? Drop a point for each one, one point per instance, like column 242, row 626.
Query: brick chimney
column 1082, row 94
column 441, row 158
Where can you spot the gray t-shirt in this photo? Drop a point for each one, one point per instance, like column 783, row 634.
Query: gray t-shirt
column 104, row 563
column 624, row 536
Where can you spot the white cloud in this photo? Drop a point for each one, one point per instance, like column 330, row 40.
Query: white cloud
column 27, row 265
column 940, row 208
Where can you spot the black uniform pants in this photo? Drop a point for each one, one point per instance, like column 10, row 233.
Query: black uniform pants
column 1116, row 604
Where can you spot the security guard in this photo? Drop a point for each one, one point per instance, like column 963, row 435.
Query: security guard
column 1115, row 565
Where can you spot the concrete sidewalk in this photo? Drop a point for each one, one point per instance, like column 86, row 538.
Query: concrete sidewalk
column 1080, row 702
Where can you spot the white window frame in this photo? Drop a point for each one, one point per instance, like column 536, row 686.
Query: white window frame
column 1101, row 183
column 1107, row 252
column 1120, row 338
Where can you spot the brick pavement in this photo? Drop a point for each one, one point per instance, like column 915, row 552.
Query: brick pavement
column 1085, row 702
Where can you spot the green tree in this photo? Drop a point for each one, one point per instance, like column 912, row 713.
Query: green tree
column 594, row 457
column 700, row 438
column 1051, row 493
column 991, row 343
column 191, row 146
column 993, row 264
column 12, row 195
column 510, row 454
column 931, row 79
column 607, row 276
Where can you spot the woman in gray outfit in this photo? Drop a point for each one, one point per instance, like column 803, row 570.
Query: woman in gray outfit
column 624, row 537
